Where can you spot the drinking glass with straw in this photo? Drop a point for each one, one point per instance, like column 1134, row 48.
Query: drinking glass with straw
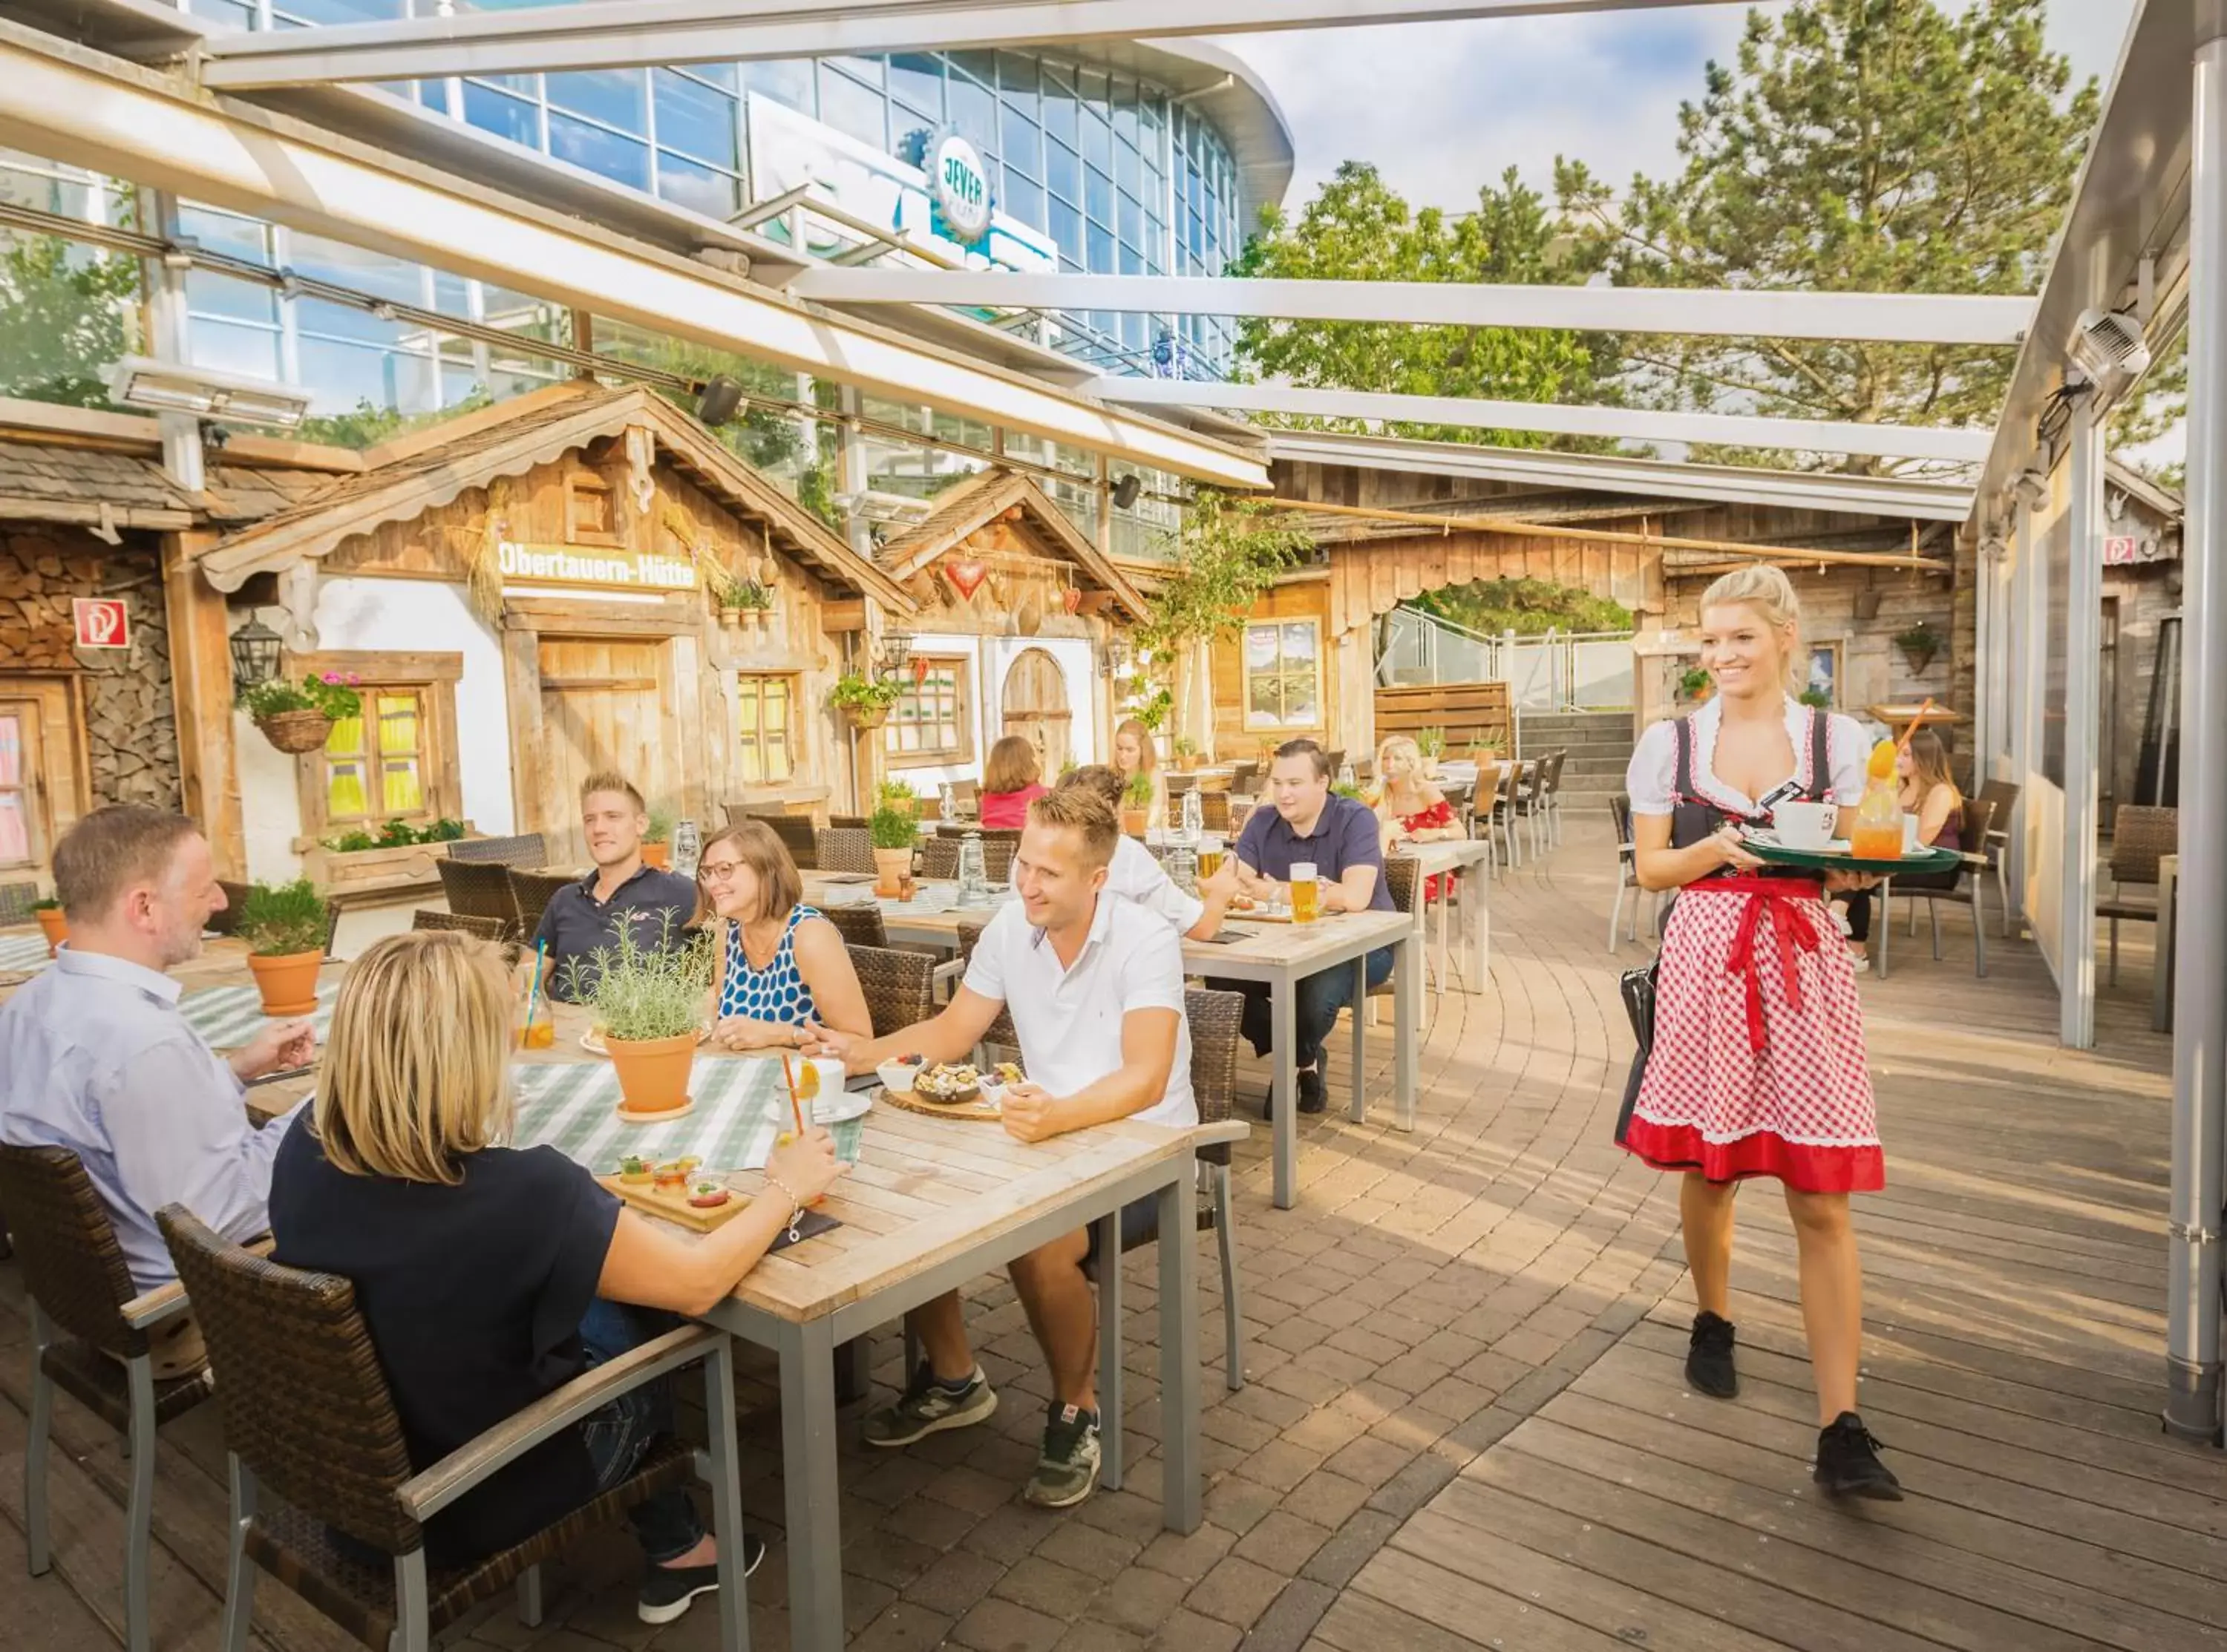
column 795, row 1111
column 541, row 1033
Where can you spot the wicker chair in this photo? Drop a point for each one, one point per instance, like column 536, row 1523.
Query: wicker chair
column 845, row 849
column 1627, row 871
column 855, row 822
column 528, row 849
column 1242, row 777
column 797, row 834
column 1553, row 799
column 16, row 902
column 89, row 1333
column 1400, row 876
column 530, row 893
column 1213, row 810
column 899, row 986
column 1002, row 1031
column 1216, row 1019
column 479, row 889
column 940, row 857
column 308, row 1416
column 1529, row 803
column 485, row 928
column 2004, row 795
column 860, row 925
column 2141, row 837
column 1501, row 814
column 1970, row 889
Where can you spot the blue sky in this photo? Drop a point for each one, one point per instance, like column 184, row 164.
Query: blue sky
column 1441, row 107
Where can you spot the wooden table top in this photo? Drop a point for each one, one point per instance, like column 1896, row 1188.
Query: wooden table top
column 924, row 1190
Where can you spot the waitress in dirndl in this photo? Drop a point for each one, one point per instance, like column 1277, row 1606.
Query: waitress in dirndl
column 1757, row 1064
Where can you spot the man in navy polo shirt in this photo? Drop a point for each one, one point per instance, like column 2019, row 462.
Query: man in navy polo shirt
column 584, row 917
column 1310, row 824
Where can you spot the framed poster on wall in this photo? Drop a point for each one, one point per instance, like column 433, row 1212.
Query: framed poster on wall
column 1825, row 673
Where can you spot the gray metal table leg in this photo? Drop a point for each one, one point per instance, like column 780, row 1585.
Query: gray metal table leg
column 139, row 1509
column 816, row 1536
column 726, row 1475
column 1181, row 1496
column 1358, row 1109
column 1109, row 1349
column 1283, row 1086
column 1407, row 964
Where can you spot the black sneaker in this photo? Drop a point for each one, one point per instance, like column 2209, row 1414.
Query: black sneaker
column 1067, row 1472
column 928, row 1406
column 1848, row 1464
column 667, row 1591
column 1311, row 1089
column 1709, row 1359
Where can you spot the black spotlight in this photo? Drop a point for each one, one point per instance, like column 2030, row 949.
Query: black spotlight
column 721, row 400
column 1125, row 491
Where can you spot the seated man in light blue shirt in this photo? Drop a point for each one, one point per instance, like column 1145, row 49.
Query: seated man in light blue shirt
column 98, row 1060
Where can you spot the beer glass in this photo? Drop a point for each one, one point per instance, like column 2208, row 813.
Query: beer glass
column 1306, row 893
column 1209, row 856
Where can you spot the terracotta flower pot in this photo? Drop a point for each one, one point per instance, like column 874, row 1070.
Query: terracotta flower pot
column 1186, row 761
column 55, row 922
column 659, row 855
column 287, row 981
column 891, row 866
column 295, row 732
column 1132, row 822
column 653, row 1072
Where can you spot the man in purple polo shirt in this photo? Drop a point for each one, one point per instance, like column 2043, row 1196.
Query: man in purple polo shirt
column 1338, row 836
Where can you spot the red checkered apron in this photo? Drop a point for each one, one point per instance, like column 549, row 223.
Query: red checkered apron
column 1758, row 1065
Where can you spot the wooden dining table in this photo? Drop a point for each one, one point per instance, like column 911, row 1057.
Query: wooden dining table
column 1278, row 954
column 930, row 1204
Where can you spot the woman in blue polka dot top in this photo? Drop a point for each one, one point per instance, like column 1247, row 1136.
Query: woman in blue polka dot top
column 780, row 963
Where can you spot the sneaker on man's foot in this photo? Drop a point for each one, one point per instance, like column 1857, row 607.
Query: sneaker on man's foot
column 1067, row 1472
column 1848, row 1464
column 929, row 1405
column 1709, row 1359
column 1311, row 1089
column 667, row 1592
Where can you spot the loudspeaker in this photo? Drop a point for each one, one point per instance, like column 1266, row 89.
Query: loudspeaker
column 720, row 401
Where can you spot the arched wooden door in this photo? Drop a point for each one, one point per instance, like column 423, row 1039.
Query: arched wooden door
column 1034, row 705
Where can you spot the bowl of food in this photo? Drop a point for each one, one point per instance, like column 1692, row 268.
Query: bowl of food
column 633, row 1171
column 998, row 1081
column 671, row 1176
column 948, row 1084
column 708, row 1195
column 897, row 1075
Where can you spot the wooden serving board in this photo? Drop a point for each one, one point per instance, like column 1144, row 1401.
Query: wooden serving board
column 675, row 1207
column 910, row 1103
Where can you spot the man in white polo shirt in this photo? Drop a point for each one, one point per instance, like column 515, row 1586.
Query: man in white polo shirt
column 1135, row 876
column 1095, row 987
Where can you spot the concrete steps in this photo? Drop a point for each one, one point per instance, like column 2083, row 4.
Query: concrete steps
column 1598, row 743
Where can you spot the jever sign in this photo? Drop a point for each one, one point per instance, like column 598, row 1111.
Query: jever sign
column 960, row 185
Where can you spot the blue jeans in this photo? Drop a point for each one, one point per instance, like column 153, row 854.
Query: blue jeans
column 620, row 1432
column 1315, row 1005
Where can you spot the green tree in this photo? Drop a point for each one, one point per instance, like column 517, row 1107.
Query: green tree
column 1527, row 607
column 1358, row 228
column 1230, row 551
column 365, row 425
column 1854, row 145
column 66, row 316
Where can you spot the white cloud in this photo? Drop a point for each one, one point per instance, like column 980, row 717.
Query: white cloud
column 1441, row 108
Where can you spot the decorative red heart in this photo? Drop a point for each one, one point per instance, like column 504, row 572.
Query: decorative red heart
column 919, row 670
column 1071, row 599
column 965, row 575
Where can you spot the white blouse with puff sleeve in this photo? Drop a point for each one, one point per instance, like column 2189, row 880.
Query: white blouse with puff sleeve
column 1652, row 777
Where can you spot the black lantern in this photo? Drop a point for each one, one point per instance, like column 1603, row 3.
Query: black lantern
column 255, row 650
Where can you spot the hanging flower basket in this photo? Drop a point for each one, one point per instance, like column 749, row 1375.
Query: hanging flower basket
column 866, row 718
column 295, row 732
column 1919, row 644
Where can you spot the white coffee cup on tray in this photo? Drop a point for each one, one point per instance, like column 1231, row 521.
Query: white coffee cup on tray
column 1805, row 825
column 1909, row 843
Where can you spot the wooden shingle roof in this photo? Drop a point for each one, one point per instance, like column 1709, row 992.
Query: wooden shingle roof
column 982, row 499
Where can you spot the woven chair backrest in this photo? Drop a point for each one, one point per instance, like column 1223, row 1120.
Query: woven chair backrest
column 66, row 1247
column 845, row 849
column 860, row 925
column 1216, row 1019
column 528, row 849
column 899, row 987
column 305, row 1404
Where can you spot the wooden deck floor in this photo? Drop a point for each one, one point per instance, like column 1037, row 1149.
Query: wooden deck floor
column 2014, row 1274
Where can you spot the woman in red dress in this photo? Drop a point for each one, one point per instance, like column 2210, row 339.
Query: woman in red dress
column 1757, row 1064
column 1409, row 809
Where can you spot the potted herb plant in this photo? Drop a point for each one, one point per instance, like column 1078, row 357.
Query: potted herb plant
column 657, row 839
column 865, row 700
column 893, row 830
column 1695, row 684
column 285, row 927
column 1919, row 644
column 1186, row 753
column 1137, row 804
column 756, row 604
column 298, row 716
column 1432, row 743
column 51, row 920
column 648, row 1003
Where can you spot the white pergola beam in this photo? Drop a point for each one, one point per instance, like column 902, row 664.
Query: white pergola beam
column 1870, row 317
column 83, row 108
column 1554, row 419
column 621, row 33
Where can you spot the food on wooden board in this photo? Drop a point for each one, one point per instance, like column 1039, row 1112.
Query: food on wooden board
column 948, row 1084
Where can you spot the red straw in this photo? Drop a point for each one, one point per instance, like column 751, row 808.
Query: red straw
column 1916, row 724
column 795, row 1112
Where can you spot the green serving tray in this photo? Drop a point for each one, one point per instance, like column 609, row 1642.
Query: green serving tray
column 1763, row 846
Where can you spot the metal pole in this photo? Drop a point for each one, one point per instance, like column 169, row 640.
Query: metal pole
column 2083, row 641
column 2029, row 637
column 2199, row 1075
